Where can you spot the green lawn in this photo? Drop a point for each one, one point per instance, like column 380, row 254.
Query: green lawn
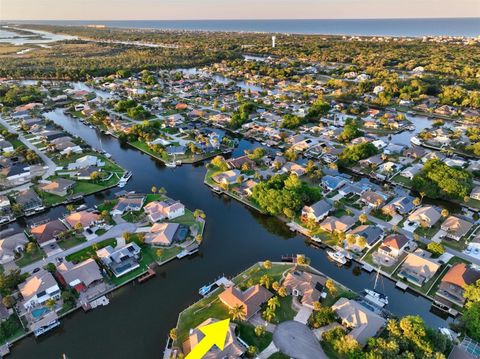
column 88, row 252
column 285, row 311
column 278, row 355
column 71, row 242
column 162, row 254
column 134, row 217
column 402, row 180
column 428, row 232
column 252, row 275
column 247, row 333
column 29, row 258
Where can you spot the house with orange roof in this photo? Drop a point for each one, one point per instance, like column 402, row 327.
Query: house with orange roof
column 47, row 233
column 39, row 288
column 85, row 218
column 250, row 300
column 394, row 245
column 307, row 286
column 453, row 284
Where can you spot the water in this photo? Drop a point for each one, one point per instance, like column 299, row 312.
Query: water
column 137, row 321
column 469, row 27
column 38, row 37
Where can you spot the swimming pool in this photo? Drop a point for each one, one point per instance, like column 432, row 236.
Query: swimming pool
column 38, row 312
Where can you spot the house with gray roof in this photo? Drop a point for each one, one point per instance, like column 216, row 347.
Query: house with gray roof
column 317, row 211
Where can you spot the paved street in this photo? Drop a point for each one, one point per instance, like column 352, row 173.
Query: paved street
column 114, row 232
column 297, row 341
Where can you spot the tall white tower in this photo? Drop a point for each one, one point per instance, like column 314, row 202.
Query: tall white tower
column 273, row 41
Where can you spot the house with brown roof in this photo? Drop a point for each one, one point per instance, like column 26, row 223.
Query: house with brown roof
column 418, row 269
column 362, row 322
column 307, row 286
column 38, row 288
column 80, row 276
column 47, row 233
column 394, row 245
column 452, row 286
column 161, row 234
column 232, row 347
column 58, row 187
column 157, row 210
column 238, row 162
column 250, row 300
column 85, row 218
column 333, row 224
column 425, row 216
column 455, row 228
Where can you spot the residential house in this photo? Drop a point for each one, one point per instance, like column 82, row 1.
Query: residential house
column 161, row 234
column 80, row 276
column 371, row 233
column 170, row 209
column 238, row 162
column 86, row 219
column 394, row 245
column 11, row 245
column 58, row 187
column 415, row 152
column 251, row 299
column 475, row 194
column 372, row 199
column 47, row 233
column 411, row 171
column 333, row 224
column 425, row 216
column 453, row 284
column 362, row 322
column 84, row 162
column 332, row 183
column 401, row 205
column 38, row 289
column 293, row 168
column 456, row 228
column 5, row 146
column 132, row 203
column 307, row 286
column 418, row 269
column 227, row 177
column 28, row 200
column 232, row 348
column 317, row 211
column 120, row 260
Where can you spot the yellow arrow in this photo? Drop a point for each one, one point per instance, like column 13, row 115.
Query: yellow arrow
column 215, row 334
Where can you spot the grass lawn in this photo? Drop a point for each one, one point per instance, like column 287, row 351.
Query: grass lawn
column 162, row 254
column 29, row 258
column 402, row 180
column 428, row 232
column 210, row 307
column 285, row 311
column 50, row 199
column 252, row 275
column 88, row 252
column 278, row 355
column 134, row 217
column 457, row 245
column 247, row 333
column 71, row 242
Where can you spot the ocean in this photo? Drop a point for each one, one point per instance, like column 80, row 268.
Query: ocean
column 468, row 27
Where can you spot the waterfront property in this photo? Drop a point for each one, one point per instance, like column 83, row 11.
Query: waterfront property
column 39, row 288
column 452, row 285
column 120, row 260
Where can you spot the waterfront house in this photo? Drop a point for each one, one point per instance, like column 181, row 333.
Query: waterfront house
column 170, row 209
column 28, row 200
column 455, row 228
column 373, row 161
column 58, row 187
column 371, row 233
column 10, row 245
column 452, row 286
column 418, row 269
column 161, row 234
column 120, row 260
column 331, row 183
column 425, row 216
column 47, row 233
column 306, row 286
column 317, row 211
column 80, row 276
column 333, row 224
column 85, row 161
column 5, row 146
column 39, row 288
column 394, row 245
column 231, row 349
column 239, row 162
column 415, row 152
column 86, row 219
column 251, row 299
column 361, row 322
column 131, row 203
column 227, row 177
column 475, row 194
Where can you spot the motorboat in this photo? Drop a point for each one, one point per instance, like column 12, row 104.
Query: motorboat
column 337, row 257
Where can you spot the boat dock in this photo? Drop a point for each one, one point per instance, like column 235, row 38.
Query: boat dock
column 4, row 350
column 188, row 251
column 367, row 267
column 150, row 273
column 206, row 290
column 401, row 285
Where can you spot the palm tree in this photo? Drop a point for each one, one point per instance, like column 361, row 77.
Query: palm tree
column 363, row 218
column 417, row 201
column 154, row 189
column 282, row 291
column 265, row 281
column 273, row 303
column 237, row 312
column 269, row 314
column 445, row 213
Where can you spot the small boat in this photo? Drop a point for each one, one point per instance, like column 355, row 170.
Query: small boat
column 416, row 141
column 411, row 113
column 375, row 297
column 170, row 164
column 316, row 239
column 178, row 162
column 82, row 207
column 205, row 289
column 337, row 257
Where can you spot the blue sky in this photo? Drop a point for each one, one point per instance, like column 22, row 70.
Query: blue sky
column 233, row 9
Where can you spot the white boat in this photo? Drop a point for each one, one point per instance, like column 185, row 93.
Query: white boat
column 415, row 140
column 170, row 164
column 337, row 257
column 316, row 239
column 377, row 298
column 178, row 162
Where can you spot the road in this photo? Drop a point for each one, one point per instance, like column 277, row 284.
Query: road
column 114, row 232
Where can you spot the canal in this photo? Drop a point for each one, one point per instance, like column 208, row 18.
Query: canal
column 137, row 321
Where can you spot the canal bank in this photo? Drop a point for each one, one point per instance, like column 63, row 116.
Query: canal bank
column 137, row 321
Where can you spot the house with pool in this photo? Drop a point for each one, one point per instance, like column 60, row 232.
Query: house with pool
column 37, row 289
column 121, row 260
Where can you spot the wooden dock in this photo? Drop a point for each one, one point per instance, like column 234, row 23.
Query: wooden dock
column 150, row 273
column 401, row 285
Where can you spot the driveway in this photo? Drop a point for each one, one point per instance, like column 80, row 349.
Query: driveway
column 297, row 341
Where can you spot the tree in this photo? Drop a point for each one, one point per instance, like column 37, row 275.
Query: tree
column 265, row 281
column 444, row 213
column 173, row 334
column 198, row 213
column 78, row 227
column 471, row 320
column 50, row 267
column 282, row 291
column 267, row 264
column 8, row 301
column 50, row 303
column 321, row 316
column 269, row 314
column 237, row 312
column 301, row 260
column 331, row 287
column 472, row 293
column 259, row 330
column 363, row 218
column 417, row 201
column 436, row 249
column 252, row 351
column 70, row 208
column 352, row 154
column 273, row 303
column 154, row 189
column 127, row 236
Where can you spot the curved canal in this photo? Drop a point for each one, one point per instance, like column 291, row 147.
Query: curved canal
column 137, row 321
